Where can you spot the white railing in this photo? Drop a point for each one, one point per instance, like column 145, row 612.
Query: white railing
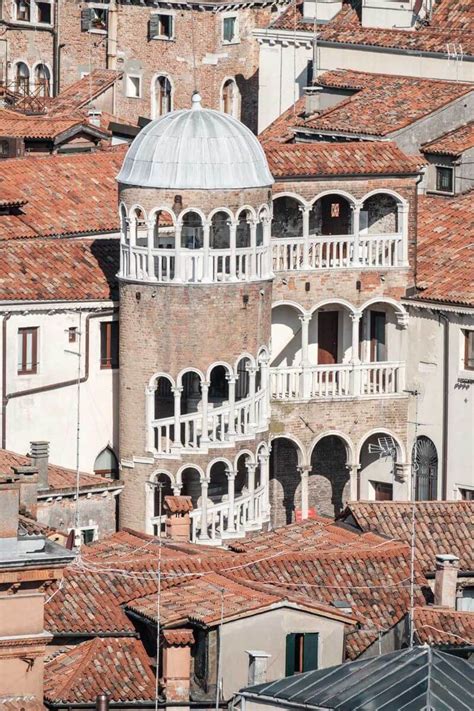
column 224, row 522
column 337, row 252
column 337, row 381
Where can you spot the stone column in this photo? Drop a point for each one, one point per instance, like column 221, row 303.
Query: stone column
column 254, row 272
column 252, row 371
column 205, row 407
column 265, row 382
column 231, row 498
column 354, row 480
column 150, row 228
column 305, row 319
column 203, row 535
column 356, row 232
column 264, row 460
column 402, row 211
column 402, row 321
column 233, row 254
column 251, row 482
column 131, row 244
column 206, row 229
column 177, row 416
column 267, row 242
column 306, row 213
column 178, row 267
column 231, row 380
column 150, row 416
column 304, row 473
column 355, row 379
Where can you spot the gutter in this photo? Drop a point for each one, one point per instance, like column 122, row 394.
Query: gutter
column 206, row 704
column 92, row 635
column 44, row 388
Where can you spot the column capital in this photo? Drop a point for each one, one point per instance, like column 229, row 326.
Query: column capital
column 355, row 317
column 304, row 469
column 355, row 207
column 402, row 319
column 205, row 385
column 150, row 389
column 250, row 465
column 231, row 474
column 305, row 208
column 205, row 482
column 355, row 466
column 305, row 318
column 231, row 379
column 263, row 457
column 251, row 369
column 177, row 390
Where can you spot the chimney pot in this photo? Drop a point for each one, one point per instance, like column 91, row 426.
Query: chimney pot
column 312, row 99
column 39, row 454
column 9, row 506
column 446, row 578
column 102, row 702
column 28, row 480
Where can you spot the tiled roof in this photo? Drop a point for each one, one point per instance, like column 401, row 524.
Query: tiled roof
column 59, row 478
column 82, row 92
column 179, row 637
column 441, row 526
column 178, row 504
column 59, row 269
column 382, row 103
column 67, row 194
column 451, row 22
column 118, row 667
column 356, row 158
column 20, row 703
column 440, row 626
column 22, row 126
column 453, row 143
column 445, row 255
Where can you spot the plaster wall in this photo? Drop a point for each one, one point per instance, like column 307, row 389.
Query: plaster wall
column 95, row 511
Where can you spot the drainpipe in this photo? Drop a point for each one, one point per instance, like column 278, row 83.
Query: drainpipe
column 56, row 50
column 44, row 388
column 445, row 438
column 112, row 35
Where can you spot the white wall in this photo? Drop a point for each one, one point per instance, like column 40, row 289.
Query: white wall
column 52, row 415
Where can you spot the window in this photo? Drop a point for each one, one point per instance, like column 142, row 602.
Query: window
column 109, row 344
column 23, row 12
column 134, row 87
column 163, row 96
column 466, row 601
column 106, row 464
column 22, row 78
column 72, row 334
column 425, row 463
column 301, row 652
column 162, row 26
column 27, row 351
column 42, row 80
column 444, row 179
column 230, row 32
column 466, row 494
column 43, row 13
column 378, row 351
column 98, row 19
column 469, row 350
column 229, row 97
column 84, row 535
column 383, row 492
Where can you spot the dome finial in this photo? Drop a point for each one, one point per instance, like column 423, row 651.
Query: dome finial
column 196, row 100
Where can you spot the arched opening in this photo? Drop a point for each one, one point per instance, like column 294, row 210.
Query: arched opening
column 284, row 481
column 106, row 464
column 191, row 395
column 42, row 80
column 163, row 232
column 191, row 485
column 242, row 386
column 243, row 236
column 378, row 457
column 218, row 483
column 218, row 385
column 162, row 96
column 241, row 476
column 159, row 493
column 192, row 231
column 287, row 220
column 124, row 224
column 329, row 480
column 22, row 78
column 263, row 216
column 286, row 336
column 230, row 98
column 219, row 237
column 425, row 469
column 331, row 215
column 164, row 399
column 379, row 215
column 140, row 227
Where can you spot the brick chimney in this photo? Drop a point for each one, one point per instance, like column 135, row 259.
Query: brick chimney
column 39, row 453
column 446, row 579
column 177, row 663
column 178, row 521
column 28, row 480
column 9, row 506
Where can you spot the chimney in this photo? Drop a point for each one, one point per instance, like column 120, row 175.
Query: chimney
column 178, row 521
column 94, row 116
column 28, row 480
column 9, row 506
column 39, row 453
column 258, row 665
column 446, row 579
column 312, row 99
column 176, row 669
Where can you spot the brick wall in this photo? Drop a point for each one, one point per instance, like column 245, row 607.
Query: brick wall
column 94, row 510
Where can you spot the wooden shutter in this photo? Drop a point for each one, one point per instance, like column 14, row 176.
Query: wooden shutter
column 154, row 26
column 86, row 19
column 290, row 654
column 310, row 651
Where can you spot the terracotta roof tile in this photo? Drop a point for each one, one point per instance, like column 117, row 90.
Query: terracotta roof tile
column 441, row 526
column 22, row 126
column 82, row 92
column 59, row 270
column 356, row 158
column 118, row 667
column 21, row 703
column 440, row 626
column 445, row 256
column 179, row 637
column 178, row 504
column 453, row 143
column 67, row 194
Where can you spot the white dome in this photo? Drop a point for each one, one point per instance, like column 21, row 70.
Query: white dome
column 196, row 149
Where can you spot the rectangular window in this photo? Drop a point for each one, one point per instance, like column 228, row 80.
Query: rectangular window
column 27, row 351
column 383, row 492
column 23, row 10
column 72, row 334
column 229, row 29
column 466, row 494
column 109, row 344
column 444, row 179
column 43, row 13
column 301, row 652
column 134, row 87
column 378, row 350
column 161, row 26
column 469, row 350
column 98, row 19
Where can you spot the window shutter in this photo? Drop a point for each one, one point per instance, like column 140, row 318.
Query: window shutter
column 310, row 651
column 290, row 654
column 154, row 26
column 86, row 19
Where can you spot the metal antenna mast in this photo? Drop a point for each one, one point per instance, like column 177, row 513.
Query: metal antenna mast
column 414, row 473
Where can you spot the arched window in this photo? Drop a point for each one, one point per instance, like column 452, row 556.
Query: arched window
column 425, row 466
column 141, row 231
column 192, row 232
column 163, row 96
column 243, row 229
column 220, row 231
column 106, row 464
column 229, row 98
column 42, row 80
column 22, row 78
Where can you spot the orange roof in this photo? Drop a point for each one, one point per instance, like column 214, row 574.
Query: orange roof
column 59, row 270
column 178, row 504
column 84, row 91
column 442, row 626
column 451, row 22
column 66, row 194
column 357, row 158
column 445, row 254
column 453, row 143
column 179, row 637
column 118, row 667
column 19, row 125
column 441, row 526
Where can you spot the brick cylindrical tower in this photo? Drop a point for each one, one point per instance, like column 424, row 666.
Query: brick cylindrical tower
column 195, row 318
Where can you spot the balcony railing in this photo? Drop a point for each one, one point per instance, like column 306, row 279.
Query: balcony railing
column 337, row 381
column 338, row 252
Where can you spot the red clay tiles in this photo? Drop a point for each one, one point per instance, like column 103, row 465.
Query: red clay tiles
column 84, row 91
column 178, row 504
column 19, row 125
column 453, row 143
column 178, row 637
column 441, row 626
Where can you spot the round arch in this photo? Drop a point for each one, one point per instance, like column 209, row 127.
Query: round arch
column 397, row 306
column 350, row 449
column 244, row 453
column 167, row 101
column 424, row 458
column 158, row 375
column 302, row 458
column 179, row 473
column 189, row 210
column 240, row 357
column 341, row 193
column 263, row 352
column 216, row 211
column 218, row 460
column 246, row 208
column 123, row 209
column 401, row 452
column 291, row 195
column 384, row 191
column 154, row 212
column 196, row 371
column 162, row 472
column 335, row 301
column 292, row 304
column 219, row 363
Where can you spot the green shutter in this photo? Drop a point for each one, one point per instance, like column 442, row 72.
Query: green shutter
column 310, row 651
column 290, row 654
